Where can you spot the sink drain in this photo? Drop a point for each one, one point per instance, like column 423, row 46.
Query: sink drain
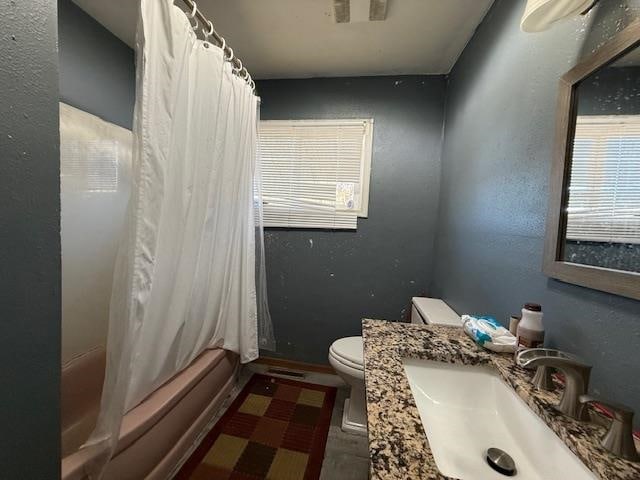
column 501, row 462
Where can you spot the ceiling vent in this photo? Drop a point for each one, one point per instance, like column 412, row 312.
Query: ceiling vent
column 350, row 11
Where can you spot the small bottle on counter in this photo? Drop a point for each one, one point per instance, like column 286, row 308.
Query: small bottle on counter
column 530, row 331
column 513, row 324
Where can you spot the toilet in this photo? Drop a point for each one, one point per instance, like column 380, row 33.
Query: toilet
column 346, row 356
column 347, row 359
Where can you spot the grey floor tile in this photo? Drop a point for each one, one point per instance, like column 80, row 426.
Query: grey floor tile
column 344, row 467
column 340, row 442
column 346, row 456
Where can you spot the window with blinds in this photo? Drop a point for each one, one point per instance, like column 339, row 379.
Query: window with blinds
column 315, row 173
column 604, row 187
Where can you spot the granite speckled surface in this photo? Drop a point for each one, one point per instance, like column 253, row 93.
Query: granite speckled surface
column 398, row 445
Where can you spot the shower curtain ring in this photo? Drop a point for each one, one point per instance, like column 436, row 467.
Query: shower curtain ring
column 207, row 34
column 230, row 55
column 223, row 46
column 192, row 16
column 240, row 67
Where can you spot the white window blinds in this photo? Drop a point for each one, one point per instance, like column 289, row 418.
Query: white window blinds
column 315, row 173
column 604, row 189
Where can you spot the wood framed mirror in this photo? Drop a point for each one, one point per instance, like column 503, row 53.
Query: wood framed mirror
column 593, row 223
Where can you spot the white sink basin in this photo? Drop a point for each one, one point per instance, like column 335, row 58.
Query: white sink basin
column 467, row 409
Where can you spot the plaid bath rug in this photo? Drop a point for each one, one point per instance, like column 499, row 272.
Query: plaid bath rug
column 276, row 429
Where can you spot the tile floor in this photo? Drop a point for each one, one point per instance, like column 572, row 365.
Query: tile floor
column 346, row 455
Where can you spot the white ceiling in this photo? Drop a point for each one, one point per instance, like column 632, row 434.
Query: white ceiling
column 299, row 38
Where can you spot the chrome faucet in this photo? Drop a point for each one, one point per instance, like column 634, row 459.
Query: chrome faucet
column 619, row 438
column 576, row 374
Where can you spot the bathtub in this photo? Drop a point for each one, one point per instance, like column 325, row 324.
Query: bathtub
column 156, row 434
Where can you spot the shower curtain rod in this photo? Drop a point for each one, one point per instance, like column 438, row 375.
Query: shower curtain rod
column 242, row 72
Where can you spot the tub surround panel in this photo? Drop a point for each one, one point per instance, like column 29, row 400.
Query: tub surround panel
column 398, row 445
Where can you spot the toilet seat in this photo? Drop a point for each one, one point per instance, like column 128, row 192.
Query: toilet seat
column 340, row 366
column 349, row 352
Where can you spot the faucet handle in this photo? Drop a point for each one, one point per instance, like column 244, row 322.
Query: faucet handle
column 619, row 438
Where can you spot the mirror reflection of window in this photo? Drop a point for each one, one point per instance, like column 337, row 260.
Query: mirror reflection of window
column 603, row 209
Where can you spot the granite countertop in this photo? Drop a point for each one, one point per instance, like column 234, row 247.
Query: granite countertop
column 398, row 445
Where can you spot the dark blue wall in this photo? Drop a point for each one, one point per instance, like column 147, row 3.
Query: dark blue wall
column 321, row 283
column 29, row 242
column 97, row 72
column 500, row 119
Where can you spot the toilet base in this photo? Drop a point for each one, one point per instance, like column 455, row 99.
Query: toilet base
column 350, row 426
column 354, row 417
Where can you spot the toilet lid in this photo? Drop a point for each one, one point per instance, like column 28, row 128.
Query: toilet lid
column 350, row 349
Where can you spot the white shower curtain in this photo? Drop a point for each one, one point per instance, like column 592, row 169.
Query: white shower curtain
column 185, row 277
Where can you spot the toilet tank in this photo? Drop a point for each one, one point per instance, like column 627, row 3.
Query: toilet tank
column 433, row 311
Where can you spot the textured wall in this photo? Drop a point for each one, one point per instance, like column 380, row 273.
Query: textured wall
column 321, row 283
column 29, row 242
column 495, row 176
column 97, row 72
